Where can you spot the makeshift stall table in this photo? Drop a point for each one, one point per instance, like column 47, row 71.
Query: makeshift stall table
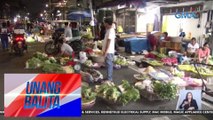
column 136, row 44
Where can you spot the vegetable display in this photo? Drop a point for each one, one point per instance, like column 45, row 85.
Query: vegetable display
column 33, row 63
column 53, row 68
column 121, row 61
column 41, row 56
column 202, row 70
column 154, row 62
column 165, row 90
column 87, row 94
column 88, row 63
column 123, row 93
column 129, row 93
column 108, row 91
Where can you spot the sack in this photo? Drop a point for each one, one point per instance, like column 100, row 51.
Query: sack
column 83, row 57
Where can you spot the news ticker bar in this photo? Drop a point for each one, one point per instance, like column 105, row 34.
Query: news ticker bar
column 147, row 112
column 142, row 112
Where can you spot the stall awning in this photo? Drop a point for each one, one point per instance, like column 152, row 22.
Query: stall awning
column 112, row 3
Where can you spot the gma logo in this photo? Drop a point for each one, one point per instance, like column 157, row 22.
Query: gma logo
column 181, row 15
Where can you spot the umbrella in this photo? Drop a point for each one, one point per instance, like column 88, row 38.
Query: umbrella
column 78, row 15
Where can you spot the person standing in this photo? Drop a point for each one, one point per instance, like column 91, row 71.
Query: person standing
column 109, row 47
column 152, row 41
column 67, row 32
column 4, row 36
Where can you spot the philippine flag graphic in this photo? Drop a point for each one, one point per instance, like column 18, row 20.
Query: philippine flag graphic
column 42, row 95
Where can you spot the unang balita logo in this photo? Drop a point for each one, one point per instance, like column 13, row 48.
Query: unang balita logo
column 181, row 15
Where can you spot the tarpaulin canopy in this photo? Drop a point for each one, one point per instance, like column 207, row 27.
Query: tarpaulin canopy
column 76, row 15
column 136, row 3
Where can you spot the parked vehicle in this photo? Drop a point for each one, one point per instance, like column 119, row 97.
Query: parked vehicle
column 52, row 47
column 18, row 43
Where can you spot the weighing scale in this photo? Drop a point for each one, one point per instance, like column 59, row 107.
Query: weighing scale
column 207, row 94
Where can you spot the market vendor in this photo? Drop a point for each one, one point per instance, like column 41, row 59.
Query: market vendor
column 192, row 47
column 66, row 49
column 152, row 41
column 203, row 53
column 109, row 47
column 165, row 37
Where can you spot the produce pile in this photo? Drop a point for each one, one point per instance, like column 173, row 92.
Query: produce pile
column 108, row 91
column 165, row 90
column 123, row 93
column 169, row 61
column 87, row 94
column 154, row 62
column 47, row 64
column 202, row 70
column 160, row 55
column 121, row 61
column 161, row 89
column 129, row 93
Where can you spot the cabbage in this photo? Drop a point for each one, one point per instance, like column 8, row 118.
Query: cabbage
column 52, row 68
column 33, row 63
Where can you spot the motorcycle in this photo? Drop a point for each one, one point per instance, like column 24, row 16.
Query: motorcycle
column 19, row 44
column 52, row 47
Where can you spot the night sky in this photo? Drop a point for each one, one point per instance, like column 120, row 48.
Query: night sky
column 35, row 6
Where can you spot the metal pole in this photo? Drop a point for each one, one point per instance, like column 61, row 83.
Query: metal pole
column 50, row 15
column 92, row 17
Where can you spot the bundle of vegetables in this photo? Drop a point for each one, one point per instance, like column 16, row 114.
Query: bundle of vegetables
column 41, row 56
column 33, row 63
column 154, row 63
column 50, row 60
column 64, row 60
column 160, row 55
column 169, row 61
column 141, row 77
column 121, row 61
column 186, row 67
column 88, row 63
column 87, row 94
column 52, row 68
column 203, row 71
column 165, row 90
column 108, row 91
column 129, row 93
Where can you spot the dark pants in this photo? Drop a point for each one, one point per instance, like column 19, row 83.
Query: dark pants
column 4, row 41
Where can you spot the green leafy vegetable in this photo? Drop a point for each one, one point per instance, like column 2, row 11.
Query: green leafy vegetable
column 33, row 63
column 52, row 68
column 41, row 56
column 108, row 92
column 129, row 93
column 165, row 90
column 87, row 94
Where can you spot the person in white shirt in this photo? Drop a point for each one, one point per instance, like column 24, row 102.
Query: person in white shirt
column 109, row 47
column 192, row 47
column 66, row 49
column 67, row 32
